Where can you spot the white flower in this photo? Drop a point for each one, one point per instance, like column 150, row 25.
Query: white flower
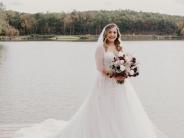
column 127, row 58
column 127, row 68
column 122, row 61
column 116, row 63
column 120, row 54
column 131, row 72
column 122, row 68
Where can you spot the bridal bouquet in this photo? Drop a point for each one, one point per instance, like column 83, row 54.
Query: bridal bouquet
column 124, row 65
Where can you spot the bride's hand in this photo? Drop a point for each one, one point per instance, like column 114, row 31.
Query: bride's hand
column 107, row 72
column 119, row 78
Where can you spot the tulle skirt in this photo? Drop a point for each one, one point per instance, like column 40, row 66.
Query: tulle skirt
column 110, row 111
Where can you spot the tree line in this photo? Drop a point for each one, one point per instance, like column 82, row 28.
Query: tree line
column 14, row 23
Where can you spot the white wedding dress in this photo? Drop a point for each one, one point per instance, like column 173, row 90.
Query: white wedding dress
column 110, row 111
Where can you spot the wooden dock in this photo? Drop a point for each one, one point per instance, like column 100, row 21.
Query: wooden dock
column 7, row 130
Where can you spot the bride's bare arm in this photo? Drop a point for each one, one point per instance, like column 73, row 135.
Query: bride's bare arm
column 99, row 59
column 108, row 73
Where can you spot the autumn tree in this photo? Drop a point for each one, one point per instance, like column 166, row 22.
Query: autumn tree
column 3, row 19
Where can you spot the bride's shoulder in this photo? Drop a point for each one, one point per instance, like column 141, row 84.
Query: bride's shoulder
column 99, row 49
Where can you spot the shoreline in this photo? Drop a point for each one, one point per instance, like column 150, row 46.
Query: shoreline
column 75, row 38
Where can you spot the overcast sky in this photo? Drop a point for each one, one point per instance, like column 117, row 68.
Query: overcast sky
column 173, row 7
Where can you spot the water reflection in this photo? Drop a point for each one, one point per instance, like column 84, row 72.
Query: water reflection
column 40, row 80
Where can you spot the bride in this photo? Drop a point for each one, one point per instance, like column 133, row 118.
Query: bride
column 111, row 110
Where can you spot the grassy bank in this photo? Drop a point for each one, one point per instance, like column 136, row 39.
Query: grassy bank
column 85, row 37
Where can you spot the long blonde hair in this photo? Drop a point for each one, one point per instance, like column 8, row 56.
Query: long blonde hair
column 117, row 42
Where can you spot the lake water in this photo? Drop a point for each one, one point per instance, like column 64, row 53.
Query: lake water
column 41, row 80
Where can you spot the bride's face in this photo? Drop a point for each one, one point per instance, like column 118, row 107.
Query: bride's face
column 112, row 35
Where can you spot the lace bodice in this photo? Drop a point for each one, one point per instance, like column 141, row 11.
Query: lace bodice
column 108, row 57
column 103, row 59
